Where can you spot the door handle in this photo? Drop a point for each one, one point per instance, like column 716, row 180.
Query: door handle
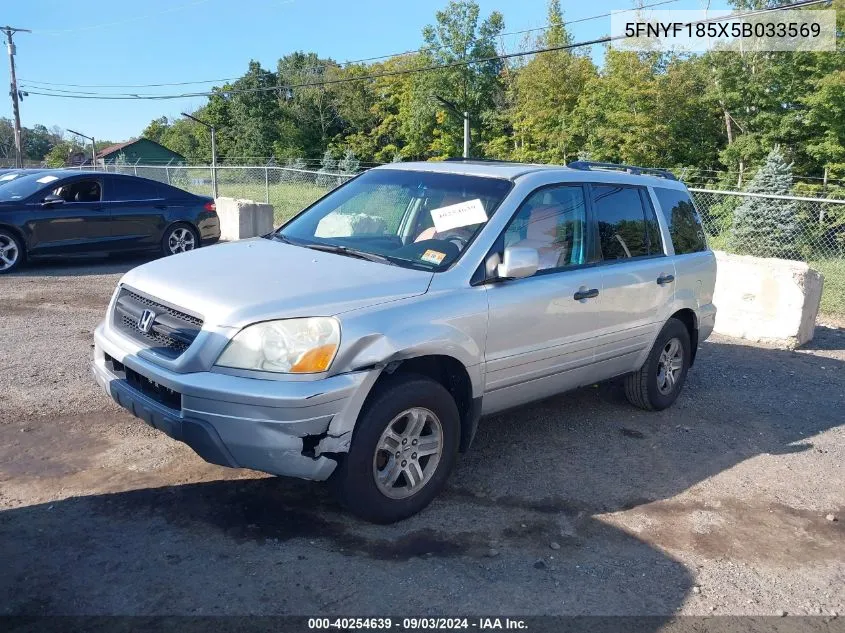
column 586, row 294
column 161, row 206
column 665, row 279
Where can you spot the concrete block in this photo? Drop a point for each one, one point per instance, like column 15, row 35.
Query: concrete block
column 240, row 219
column 766, row 299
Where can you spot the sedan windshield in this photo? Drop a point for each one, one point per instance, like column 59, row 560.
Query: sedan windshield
column 415, row 219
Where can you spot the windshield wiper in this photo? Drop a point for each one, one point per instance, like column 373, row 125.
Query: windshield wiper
column 349, row 252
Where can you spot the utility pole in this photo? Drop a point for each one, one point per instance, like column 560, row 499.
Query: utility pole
column 213, row 152
column 13, row 91
column 465, row 115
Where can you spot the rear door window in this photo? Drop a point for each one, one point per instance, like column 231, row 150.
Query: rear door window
column 683, row 220
column 129, row 189
column 621, row 219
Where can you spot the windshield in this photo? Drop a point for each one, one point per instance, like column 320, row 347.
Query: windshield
column 415, row 219
column 23, row 187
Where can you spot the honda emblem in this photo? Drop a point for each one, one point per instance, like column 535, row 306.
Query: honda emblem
column 145, row 323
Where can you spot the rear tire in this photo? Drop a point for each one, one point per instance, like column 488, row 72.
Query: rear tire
column 656, row 385
column 12, row 252
column 394, row 469
column 179, row 238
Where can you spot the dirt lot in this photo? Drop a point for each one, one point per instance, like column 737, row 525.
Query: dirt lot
column 577, row 505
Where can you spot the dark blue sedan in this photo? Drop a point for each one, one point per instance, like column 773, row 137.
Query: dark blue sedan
column 70, row 213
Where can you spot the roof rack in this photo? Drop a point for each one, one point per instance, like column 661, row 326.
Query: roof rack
column 587, row 165
column 462, row 159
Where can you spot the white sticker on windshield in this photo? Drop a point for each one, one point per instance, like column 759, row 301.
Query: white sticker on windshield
column 46, row 179
column 461, row 214
column 8, row 177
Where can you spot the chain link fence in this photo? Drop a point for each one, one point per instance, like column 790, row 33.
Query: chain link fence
column 791, row 227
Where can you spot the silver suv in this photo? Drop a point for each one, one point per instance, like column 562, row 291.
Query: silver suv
column 363, row 340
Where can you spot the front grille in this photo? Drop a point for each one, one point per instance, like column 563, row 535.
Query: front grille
column 171, row 331
column 161, row 394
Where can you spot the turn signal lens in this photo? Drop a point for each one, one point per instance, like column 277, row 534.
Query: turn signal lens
column 210, row 206
column 315, row 360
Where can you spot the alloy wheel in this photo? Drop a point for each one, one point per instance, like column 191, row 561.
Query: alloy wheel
column 181, row 240
column 408, row 453
column 9, row 252
column 669, row 366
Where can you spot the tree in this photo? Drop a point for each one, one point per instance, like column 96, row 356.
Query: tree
column 826, row 117
column 767, row 227
column 349, row 164
column 60, row 153
column 156, row 130
column 435, row 130
column 544, row 94
column 328, row 167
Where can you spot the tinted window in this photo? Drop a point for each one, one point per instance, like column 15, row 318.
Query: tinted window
column 621, row 222
column 684, row 223
column 80, row 191
column 132, row 189
column 552, row 221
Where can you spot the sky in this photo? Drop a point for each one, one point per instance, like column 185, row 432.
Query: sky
column 103, row 42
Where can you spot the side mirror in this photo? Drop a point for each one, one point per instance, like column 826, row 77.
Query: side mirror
column 51, row 200
column 518, row 262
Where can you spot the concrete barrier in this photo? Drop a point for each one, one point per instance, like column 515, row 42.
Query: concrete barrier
column 240, row 219
column 766, row 299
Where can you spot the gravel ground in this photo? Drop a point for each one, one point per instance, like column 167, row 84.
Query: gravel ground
column 731, row 502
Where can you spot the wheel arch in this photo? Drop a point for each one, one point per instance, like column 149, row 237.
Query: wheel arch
column 453, row 376
column 688, row 317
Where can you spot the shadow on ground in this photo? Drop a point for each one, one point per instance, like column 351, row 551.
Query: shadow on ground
column 538, row 475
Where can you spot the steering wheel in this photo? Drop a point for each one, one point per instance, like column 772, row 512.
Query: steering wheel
column 458, row 240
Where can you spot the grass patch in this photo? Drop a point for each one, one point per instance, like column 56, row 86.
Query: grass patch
column 833, row 295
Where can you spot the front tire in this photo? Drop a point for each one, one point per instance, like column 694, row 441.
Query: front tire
column 656, row 385
column 179, row 238
column 12, row 252
column 404, row 448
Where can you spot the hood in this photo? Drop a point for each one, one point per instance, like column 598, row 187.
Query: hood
column 255, row 280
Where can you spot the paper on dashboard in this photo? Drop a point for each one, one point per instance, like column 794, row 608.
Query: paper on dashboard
column 457, row 215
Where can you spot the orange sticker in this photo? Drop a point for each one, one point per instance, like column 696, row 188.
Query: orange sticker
column 433, row 257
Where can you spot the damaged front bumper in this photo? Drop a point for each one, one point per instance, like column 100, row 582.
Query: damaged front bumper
column 292, row 428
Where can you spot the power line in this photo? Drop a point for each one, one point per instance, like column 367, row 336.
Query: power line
column 407, row 71
column 40, row 84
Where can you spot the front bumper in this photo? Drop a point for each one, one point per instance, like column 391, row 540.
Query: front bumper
column 274, row 426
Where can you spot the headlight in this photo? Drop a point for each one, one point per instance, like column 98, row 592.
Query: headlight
column 290, row 346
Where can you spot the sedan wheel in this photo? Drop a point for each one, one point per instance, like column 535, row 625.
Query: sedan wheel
column 181, row 239
column 10, row 253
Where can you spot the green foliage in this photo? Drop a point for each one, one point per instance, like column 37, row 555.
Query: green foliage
column 328, row 167
column 833, row 295
column 60, row 153
column 767, row 227
column 717, row 113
